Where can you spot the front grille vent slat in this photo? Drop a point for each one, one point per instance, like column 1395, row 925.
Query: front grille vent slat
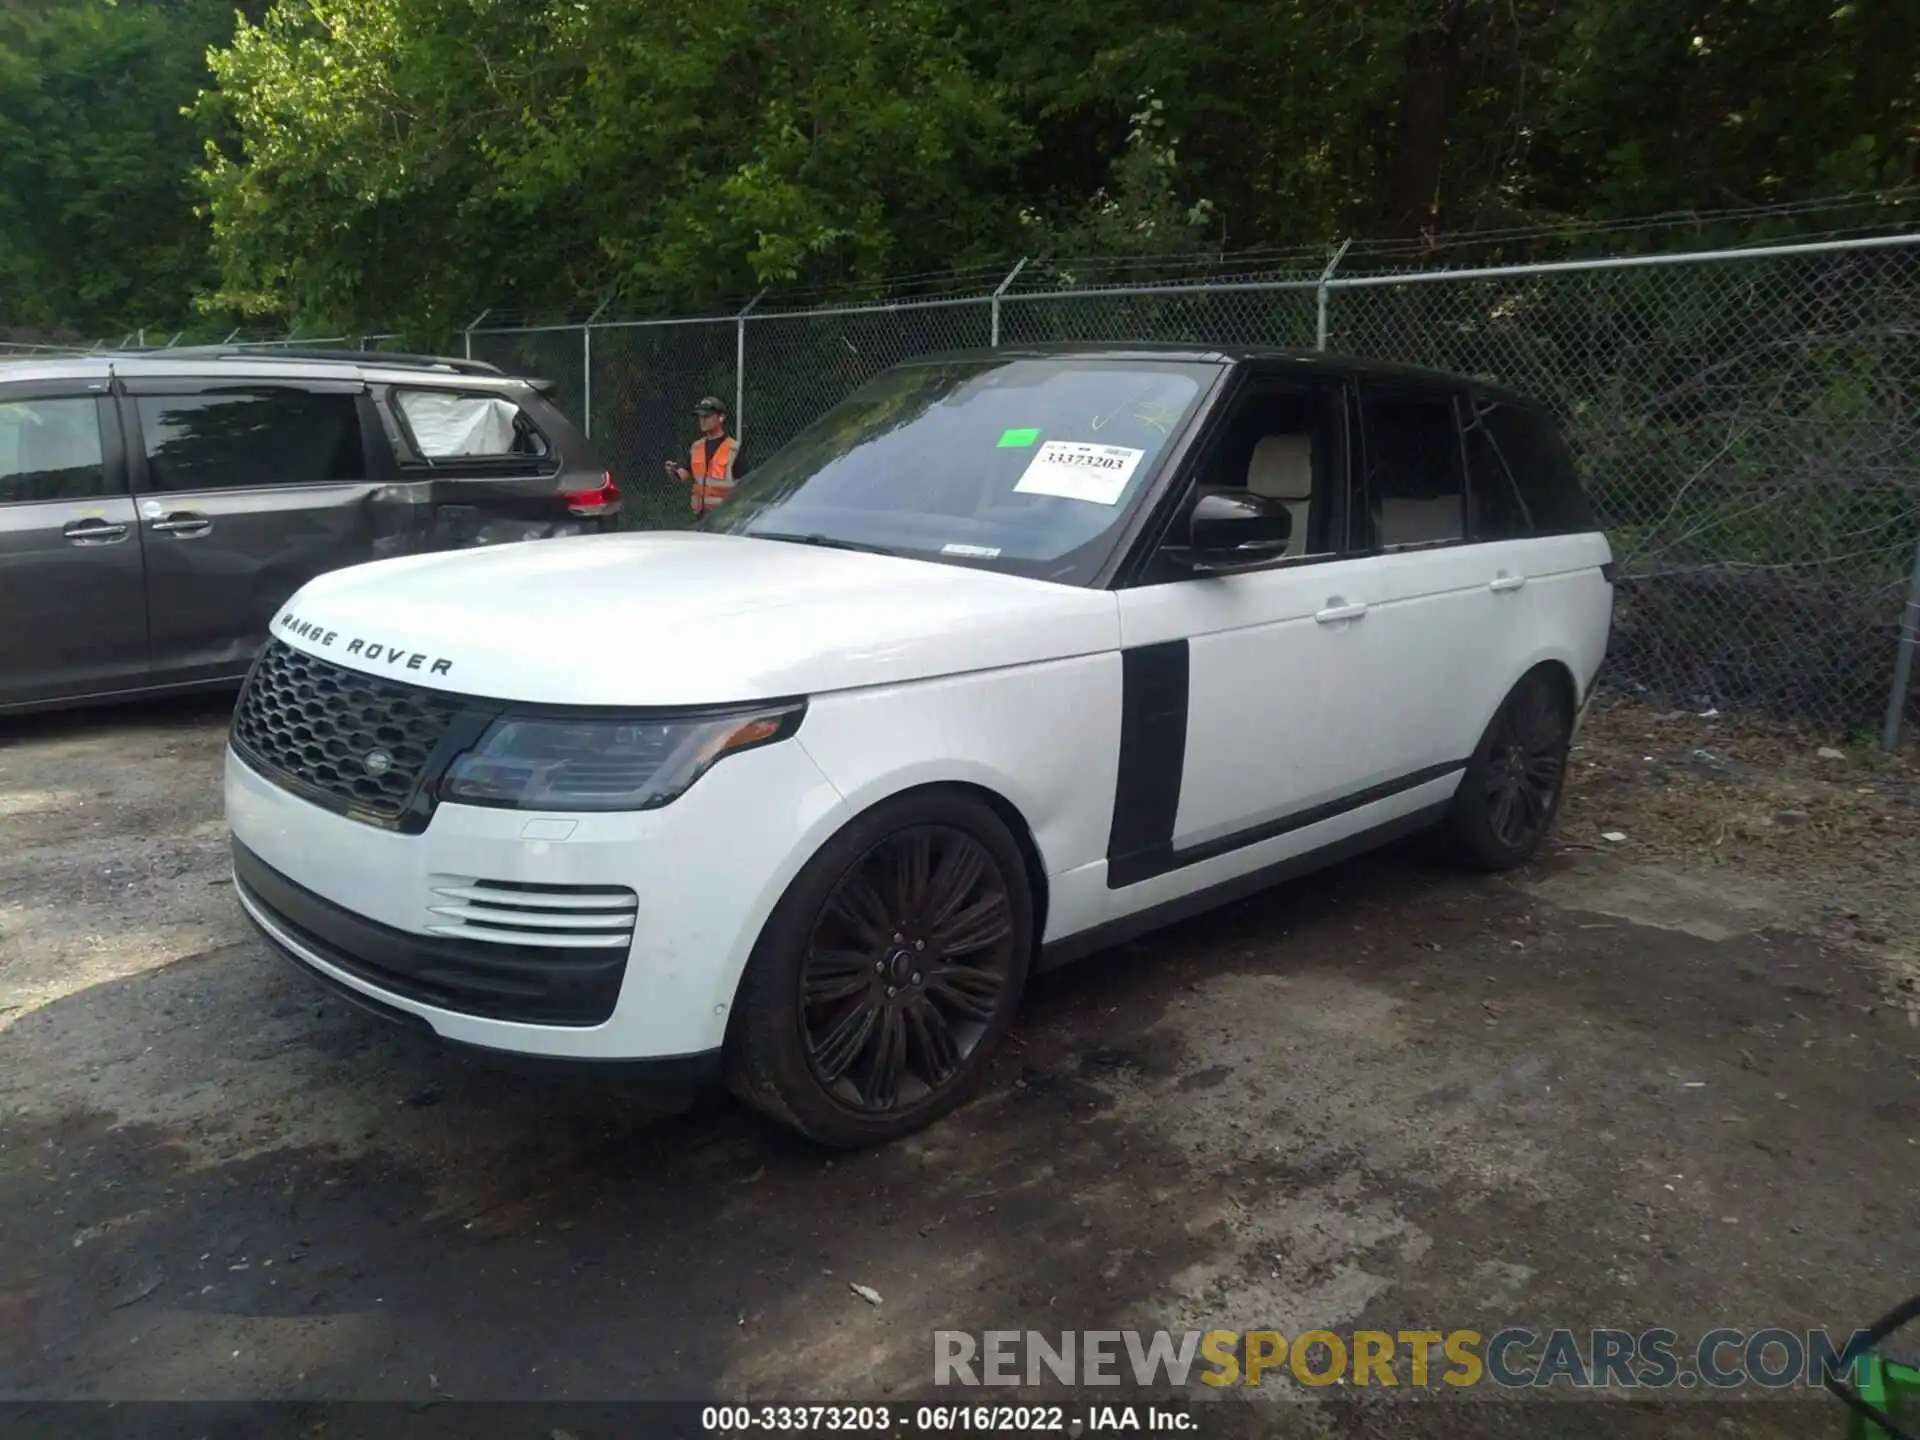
column 515, row 913
column 531, row 899
column 313, row 725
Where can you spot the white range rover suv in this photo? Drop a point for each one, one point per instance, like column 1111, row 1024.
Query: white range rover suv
column 1009, row 656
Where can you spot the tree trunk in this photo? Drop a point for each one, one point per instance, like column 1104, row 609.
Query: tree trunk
column 1426, row 105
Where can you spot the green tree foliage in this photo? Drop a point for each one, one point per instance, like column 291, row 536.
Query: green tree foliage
column 669, row 149
column 97, row 224
column 412, row 162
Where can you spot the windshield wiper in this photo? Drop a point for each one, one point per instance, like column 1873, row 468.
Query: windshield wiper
column 826, row 542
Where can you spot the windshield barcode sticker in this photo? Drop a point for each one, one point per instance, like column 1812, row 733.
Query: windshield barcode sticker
column 1074, row 470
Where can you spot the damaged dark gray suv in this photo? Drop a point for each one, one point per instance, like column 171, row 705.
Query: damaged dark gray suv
column 158, row 507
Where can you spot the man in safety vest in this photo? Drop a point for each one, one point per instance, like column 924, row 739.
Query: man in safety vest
column 711, row 468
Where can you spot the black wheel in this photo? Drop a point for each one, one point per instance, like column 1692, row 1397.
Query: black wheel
column 887, row 974
column 1510, row 795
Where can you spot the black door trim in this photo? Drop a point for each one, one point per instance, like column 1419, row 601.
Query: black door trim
column 1154, row 700
column 1069, row 948
column 1153, row 749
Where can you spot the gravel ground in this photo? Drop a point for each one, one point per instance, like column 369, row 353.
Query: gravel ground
column 1670, row 1079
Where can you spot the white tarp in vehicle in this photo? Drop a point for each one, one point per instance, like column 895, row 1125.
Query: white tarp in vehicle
column 448, row 425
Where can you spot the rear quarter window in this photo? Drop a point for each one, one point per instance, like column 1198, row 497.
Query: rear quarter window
column 458, row 425
column 1523, row 447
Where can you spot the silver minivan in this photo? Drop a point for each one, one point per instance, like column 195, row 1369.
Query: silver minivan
column 157, row 508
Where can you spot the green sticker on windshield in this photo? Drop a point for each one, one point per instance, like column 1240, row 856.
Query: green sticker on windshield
column 1018, row 439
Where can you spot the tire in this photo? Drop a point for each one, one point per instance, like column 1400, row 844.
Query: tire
column 853, row 1037
column 1511, row 792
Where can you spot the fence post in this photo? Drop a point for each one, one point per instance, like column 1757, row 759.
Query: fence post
column 993, row 337
column 472, row 325
column 586, row 369
column 1326, row 281
column 740, row 363
column 1903, row 660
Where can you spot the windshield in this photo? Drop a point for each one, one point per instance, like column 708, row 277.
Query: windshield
column 1027, row 465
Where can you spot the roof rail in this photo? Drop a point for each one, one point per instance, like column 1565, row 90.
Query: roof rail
column 391, row 359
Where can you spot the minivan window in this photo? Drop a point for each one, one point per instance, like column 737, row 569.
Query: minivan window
column 50, row 450
column 240, row 439
column 1025, row 465
column 1416, row 491
column 447, row 424
column 1542, row 467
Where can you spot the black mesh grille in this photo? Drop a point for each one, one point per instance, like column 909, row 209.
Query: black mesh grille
column 312, row 724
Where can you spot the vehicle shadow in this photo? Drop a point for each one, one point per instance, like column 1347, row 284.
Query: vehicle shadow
column 218, row 1156
column 105, row 720
column 220, row 1182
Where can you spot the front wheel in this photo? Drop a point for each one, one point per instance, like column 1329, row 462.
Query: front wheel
column 887, row 974
column 1511, row 793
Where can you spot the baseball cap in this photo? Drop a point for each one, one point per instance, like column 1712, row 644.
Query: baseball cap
column 710, row 405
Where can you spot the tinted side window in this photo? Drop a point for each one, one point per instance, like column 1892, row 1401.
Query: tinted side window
column 50, row 450
column 1416, row 492
column 1284, row 443
column 1495, row 509
column 1536, row 456
column 240, row 439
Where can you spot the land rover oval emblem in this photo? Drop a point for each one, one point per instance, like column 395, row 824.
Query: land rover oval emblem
column 377, row 763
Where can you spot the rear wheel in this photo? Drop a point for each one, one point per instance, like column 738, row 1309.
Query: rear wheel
column 887, row 974
column 1511, row 793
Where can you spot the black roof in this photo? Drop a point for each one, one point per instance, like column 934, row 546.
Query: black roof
column 1309, row 362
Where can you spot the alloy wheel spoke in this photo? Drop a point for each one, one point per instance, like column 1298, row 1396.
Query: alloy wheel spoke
column 986, row 922
column 835, row 975
column 1502, row 818
column 933, row 1050
column 959, row 871
column 843, row 1042
column 912, row 857
column 881, row 1087
column 966, row 991
column 858, row 905
column 1531, row 807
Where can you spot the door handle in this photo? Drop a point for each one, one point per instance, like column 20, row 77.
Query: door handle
column 1504, row 581
column 184, row 524
column 94, row 532
column 1339, row 610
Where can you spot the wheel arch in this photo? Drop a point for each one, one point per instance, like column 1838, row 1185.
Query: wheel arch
column 1019, row 829
column 1562, row 675
column 1003, row 807
column 1559, row 668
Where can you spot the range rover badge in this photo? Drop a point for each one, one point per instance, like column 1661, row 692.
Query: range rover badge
column 377, row 763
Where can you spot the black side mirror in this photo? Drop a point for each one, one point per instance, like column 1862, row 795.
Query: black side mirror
column 1237, row 527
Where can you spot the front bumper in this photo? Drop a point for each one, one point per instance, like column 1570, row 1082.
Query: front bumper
column 669, row 1078
column 504, row 982
column 365, row 908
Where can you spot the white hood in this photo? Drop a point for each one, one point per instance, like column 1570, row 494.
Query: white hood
column 682, row 618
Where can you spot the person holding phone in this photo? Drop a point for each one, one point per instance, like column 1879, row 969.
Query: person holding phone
column 712, row 462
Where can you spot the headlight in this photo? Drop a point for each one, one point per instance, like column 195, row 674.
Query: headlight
column 615, row 764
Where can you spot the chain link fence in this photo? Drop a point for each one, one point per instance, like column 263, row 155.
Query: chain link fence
column 1750, row 431
column 1748, row 422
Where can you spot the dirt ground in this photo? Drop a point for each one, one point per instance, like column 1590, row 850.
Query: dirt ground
column 1669, row 1078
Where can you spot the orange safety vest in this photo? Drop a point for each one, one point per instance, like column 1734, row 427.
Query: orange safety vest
column 711, row 487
